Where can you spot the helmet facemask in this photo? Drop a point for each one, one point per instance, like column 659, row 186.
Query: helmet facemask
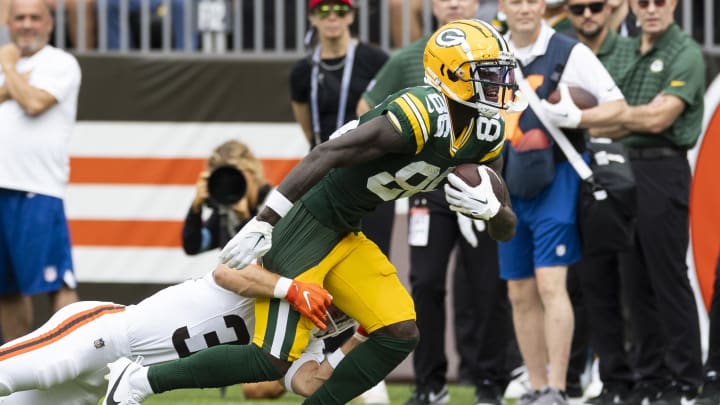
column 493, row 84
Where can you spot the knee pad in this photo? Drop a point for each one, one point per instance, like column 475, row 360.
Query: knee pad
column 55, row 373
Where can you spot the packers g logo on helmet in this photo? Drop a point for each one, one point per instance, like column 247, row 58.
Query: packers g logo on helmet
column 450, row 37
column 470, row 63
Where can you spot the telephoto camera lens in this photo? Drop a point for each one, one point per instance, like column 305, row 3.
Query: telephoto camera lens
column 226, row 185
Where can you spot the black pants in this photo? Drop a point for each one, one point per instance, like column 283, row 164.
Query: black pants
column 664, row 316
column 599, row 278
column 580, row 348
column 483, row 324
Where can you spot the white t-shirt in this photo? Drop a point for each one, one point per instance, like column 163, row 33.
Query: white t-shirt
column 583, row 68
column 33, row 156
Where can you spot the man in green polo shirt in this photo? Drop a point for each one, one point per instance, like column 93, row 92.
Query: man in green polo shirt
column 483, row 324
column 664, row 86
column 597, row 278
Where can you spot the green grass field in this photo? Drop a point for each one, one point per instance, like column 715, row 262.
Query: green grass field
column 399, row 393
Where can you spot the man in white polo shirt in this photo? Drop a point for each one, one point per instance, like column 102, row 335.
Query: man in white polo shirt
column 535, row 262
column 39, row 87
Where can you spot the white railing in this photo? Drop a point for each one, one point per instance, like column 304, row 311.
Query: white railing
column 242, row 28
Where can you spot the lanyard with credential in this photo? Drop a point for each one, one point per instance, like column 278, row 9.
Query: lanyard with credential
column 344, row 88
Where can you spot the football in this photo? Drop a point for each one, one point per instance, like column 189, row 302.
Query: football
column 468, row 172
column 582, row 98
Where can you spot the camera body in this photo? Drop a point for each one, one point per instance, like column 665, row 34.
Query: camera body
column 226, row 186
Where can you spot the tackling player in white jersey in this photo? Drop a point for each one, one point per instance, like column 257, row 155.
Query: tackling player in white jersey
column 65, row 360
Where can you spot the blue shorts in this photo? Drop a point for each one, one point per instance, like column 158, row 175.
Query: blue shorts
column 547, row 232
column 35, row 253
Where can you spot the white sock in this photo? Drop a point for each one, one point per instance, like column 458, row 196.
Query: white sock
column 139, row 381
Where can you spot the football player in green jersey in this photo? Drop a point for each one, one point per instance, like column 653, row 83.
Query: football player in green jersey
column 310, row 226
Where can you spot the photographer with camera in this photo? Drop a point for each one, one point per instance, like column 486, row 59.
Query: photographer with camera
column 233, row 187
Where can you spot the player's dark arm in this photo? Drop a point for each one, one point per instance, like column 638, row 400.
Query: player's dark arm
column 501, row 227
column 368, row 141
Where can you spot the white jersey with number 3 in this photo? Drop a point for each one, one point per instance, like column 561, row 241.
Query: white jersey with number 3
column 69, row 353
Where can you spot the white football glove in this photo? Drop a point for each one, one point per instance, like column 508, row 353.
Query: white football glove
column 564, row 114
column 465, row 224
column 477, row 202
column 253, row 241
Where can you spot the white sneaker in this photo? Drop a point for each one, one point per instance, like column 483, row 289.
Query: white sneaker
column 376, row 395
column 519, row 384
column 120, row 391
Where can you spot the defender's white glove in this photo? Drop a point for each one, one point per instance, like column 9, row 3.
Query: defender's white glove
column 564, row 114
column 253, row 241
column 478, row 202
column 466, row 224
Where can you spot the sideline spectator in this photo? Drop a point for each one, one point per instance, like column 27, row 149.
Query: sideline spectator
column 664, row 86
column 599, row 276
column 325, row 88
column 226, row 218
column 483, row 327
column 342, row 68
column 177, row 16
column 535, row 261
column 39, row 87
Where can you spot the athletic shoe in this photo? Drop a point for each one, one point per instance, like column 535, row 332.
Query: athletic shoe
column 519, row 383
column 429, row 397
column 376, row 395
column 551, row 396
column 120, row 391
column 488, row 394
column 528, row 398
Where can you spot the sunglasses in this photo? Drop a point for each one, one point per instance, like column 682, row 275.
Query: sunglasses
column 646, row 3
column 324, row 10
column 596, row 7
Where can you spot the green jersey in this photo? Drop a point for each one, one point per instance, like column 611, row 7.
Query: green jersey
column 615, row 53
column 673, row 66
column 432, row 150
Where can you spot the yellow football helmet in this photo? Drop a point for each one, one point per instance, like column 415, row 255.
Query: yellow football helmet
column 470, row 63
